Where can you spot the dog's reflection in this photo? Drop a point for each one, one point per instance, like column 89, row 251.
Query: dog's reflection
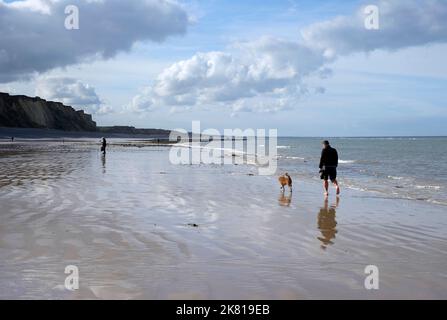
column 285, row 200
column 327, row 223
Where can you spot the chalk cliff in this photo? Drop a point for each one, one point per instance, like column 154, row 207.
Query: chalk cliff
column 27, row 112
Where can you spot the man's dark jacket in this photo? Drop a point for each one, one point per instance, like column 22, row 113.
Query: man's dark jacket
column 329, row 158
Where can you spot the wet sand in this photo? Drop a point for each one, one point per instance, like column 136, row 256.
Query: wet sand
column 140, row 228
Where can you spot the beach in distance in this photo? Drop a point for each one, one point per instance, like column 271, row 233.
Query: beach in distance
column 139, row 227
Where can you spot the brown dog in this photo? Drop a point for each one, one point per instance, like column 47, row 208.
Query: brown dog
column 285, row 180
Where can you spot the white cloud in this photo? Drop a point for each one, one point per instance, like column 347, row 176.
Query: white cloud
column 270, row 68
column 403, row 24
column 33, row 38
column 42, row 6
column 270, row 74
column 142, row 102
column 71, row 92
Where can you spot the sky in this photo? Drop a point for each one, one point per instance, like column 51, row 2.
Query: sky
column 304, row 67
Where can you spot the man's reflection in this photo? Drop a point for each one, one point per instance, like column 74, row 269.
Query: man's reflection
column 103, row 161
column 327, row 223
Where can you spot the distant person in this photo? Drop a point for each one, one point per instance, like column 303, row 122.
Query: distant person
column 12, row 139
column 328, row 167
column 103, row 145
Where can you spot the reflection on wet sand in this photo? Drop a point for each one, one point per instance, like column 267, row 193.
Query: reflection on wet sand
column 327, row 223
column 19, row 166
column 284, row 200
column 103, row 162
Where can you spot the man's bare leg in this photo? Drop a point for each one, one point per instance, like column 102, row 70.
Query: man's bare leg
column 326, row 187
column 335, row 182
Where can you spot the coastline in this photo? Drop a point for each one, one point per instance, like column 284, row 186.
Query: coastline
column 31, row 134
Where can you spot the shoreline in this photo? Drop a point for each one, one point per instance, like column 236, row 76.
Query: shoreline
column 37, row 134
column 139, row 143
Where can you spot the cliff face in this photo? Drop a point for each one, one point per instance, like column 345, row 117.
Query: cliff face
column 27, row 112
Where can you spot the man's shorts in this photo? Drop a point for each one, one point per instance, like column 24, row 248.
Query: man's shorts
column 329, row 173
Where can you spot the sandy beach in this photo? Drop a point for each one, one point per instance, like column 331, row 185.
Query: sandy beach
column 139, row 227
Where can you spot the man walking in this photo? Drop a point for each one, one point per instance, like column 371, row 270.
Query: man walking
column 103, row 145
column 328, row 167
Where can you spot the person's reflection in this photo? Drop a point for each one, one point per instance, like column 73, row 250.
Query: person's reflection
column 284, row 200
column 103, row 161
column 327, row 223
